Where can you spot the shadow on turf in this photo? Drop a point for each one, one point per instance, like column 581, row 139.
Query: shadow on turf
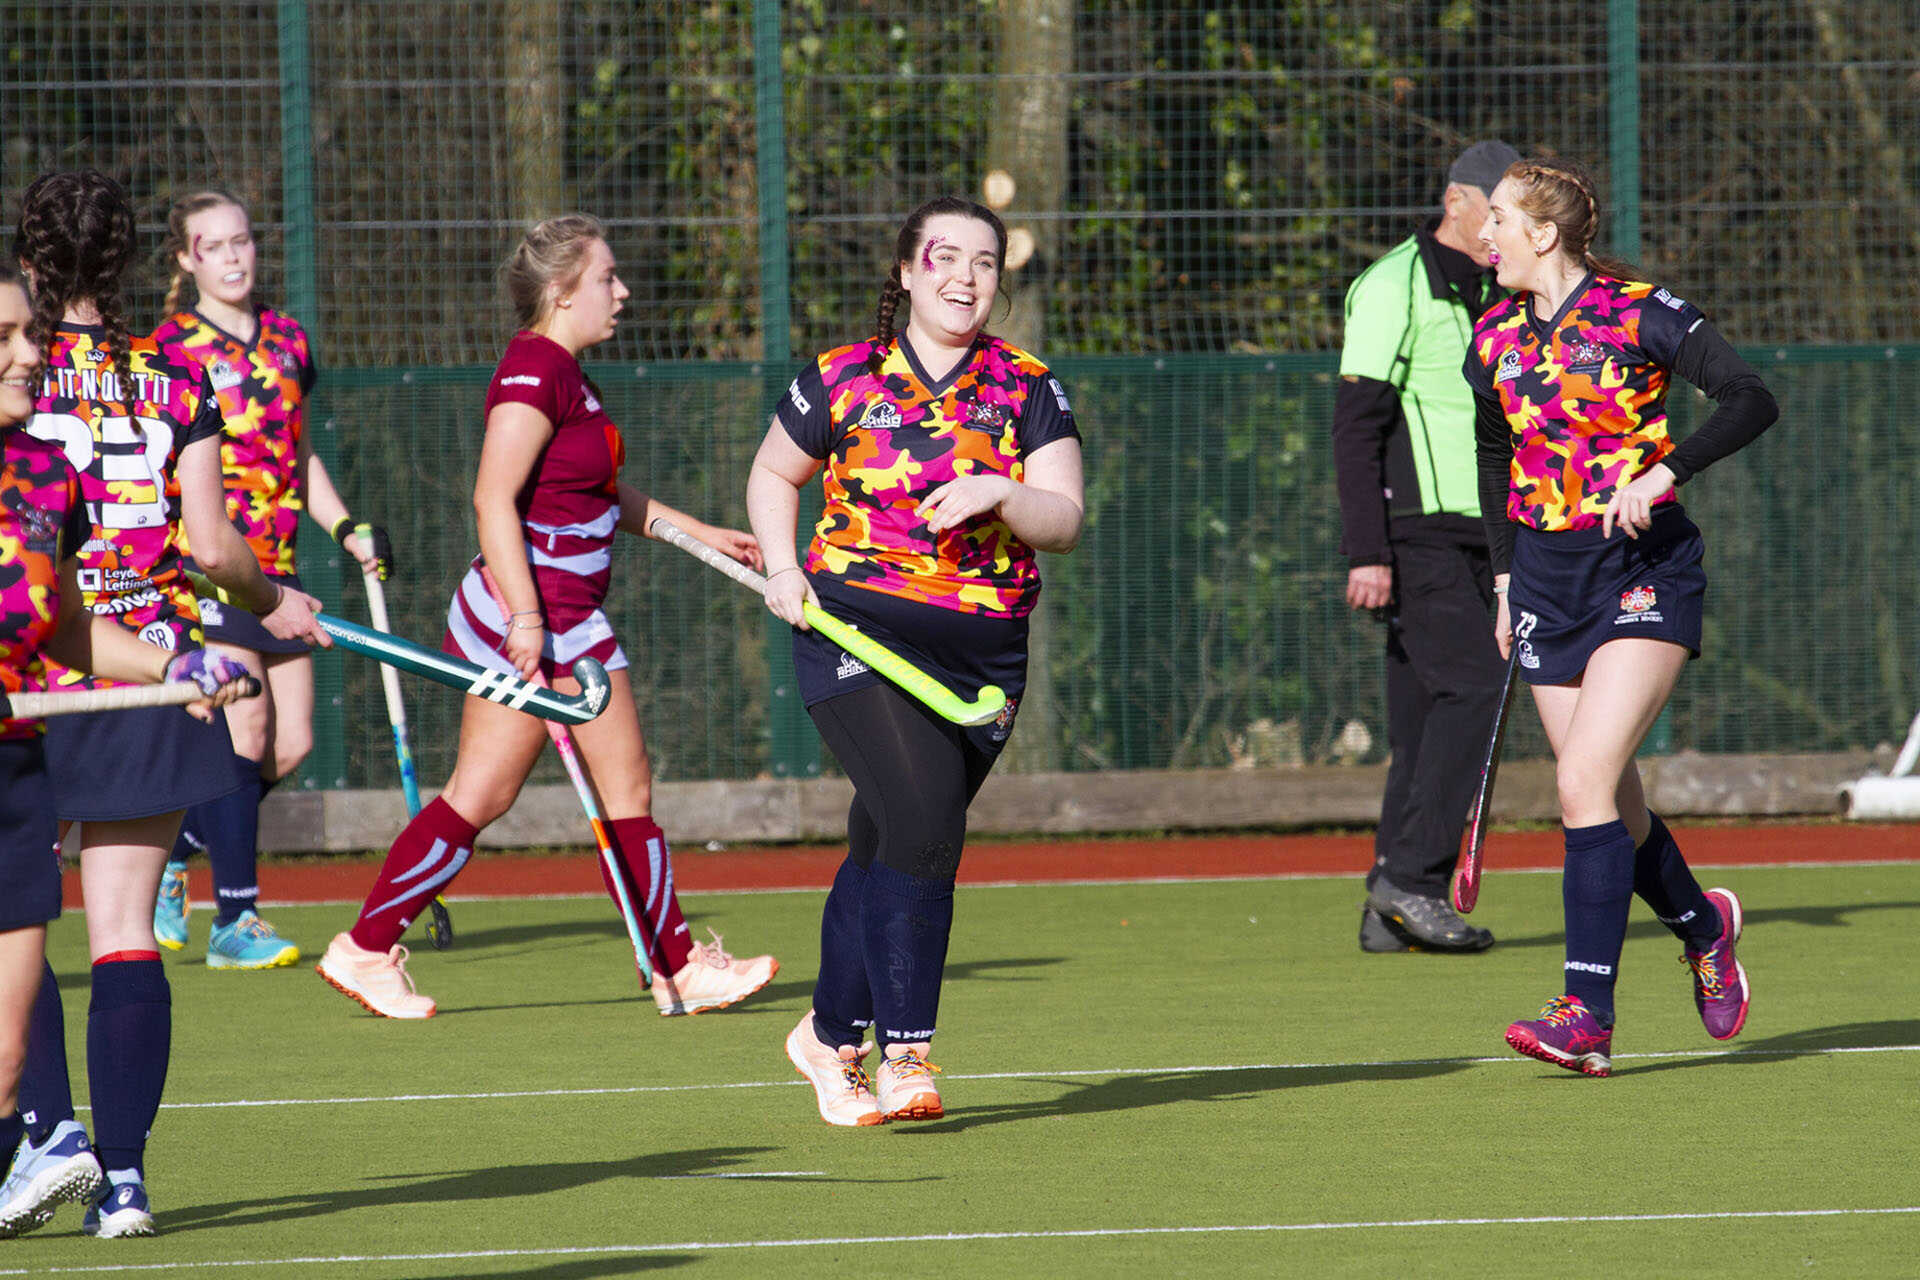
column 770, row 998
column 1827, row 917
column 1788, row 1045
column 502, row 1182
column 1130, row 1093
column 584, row 1269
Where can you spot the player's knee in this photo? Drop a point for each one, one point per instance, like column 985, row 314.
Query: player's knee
column 936, row 858
column 1584, row 787
column 289, row 756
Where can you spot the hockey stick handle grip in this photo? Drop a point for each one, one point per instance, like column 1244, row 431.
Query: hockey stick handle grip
column 35, row 706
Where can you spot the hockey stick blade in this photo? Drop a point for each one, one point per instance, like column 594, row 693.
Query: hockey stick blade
column 944, row 702
column 38, row 706
column 1466, row 880
column 457, row 673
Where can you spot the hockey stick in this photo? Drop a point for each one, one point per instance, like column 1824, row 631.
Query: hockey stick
column 37, row 706
column 590, row 801
column 457, row 673
column 440, row 925
column 943, row 701
column 1466, row 881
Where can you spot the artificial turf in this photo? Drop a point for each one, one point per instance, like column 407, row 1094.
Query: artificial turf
column 1151, row 1064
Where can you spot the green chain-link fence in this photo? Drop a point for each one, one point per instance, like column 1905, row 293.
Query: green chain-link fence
column 1195, row 186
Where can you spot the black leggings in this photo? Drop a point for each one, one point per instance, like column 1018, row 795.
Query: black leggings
column 913, row 776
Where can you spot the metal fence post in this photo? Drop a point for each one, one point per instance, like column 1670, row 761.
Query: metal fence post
column 794, row 751
column 1623, row 122
column 320, row 559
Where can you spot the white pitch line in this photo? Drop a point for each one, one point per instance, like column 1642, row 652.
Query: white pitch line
column 970, row 1237
column 1040, row 1074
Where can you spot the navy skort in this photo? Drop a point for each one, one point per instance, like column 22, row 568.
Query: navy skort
column 964, row 651
column 29, row 837
column 230, row 624
column 112, row 765
column 1573, row 591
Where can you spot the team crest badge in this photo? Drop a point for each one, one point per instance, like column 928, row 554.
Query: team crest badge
column 1003, row 723
column 1509, row 367
column 988, row 417
column 224, row 376
column 1586, row 357
column 38, row 529
column 1637, row 600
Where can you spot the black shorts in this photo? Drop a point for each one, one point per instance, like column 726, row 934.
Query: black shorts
column 964, row 651
column 112, row 765
column 230, row 624
column 1572, row 592
column 29, row 837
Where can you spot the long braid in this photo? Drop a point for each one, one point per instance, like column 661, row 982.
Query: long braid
column 76, row 236
column 1563, row 193
column 891, row 294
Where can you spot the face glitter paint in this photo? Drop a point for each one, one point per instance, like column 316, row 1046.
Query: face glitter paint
column 926, row 254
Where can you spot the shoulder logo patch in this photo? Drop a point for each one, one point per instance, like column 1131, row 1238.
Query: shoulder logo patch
column 1508, row 368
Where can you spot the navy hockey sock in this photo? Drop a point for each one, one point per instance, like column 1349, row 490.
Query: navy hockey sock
column 842, row 1001
column 905, row 921
column 229, row 830
column 46, row 1095
column 1596, row 891
column 129, row 1038
column 1663, row 880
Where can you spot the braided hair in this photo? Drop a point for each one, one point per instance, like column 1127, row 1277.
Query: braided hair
column 176, row 242
column 76, row 237
column 892, row 292
column 1565, row 194
column 552, row 250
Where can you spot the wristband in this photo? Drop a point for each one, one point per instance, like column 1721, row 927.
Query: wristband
column 1499, row 588
column 342, row 530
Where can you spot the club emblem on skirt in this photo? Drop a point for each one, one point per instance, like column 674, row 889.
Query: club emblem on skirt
column 1637, row 600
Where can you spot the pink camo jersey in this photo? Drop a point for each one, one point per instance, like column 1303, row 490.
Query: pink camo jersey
column 42, row 520
column 262, row 387
column 1585, row 396
column 890, row 438
column 124, row 437
column 570, row 505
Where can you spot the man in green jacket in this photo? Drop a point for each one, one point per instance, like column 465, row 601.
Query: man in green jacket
column 1411, row 531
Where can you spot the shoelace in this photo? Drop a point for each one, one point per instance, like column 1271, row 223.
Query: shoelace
column 1706, row 972
column 854, row 1071
column 255, row 928
column 713, row 956
column 910, row 1065
column 1561, row 1010
column 398, row 959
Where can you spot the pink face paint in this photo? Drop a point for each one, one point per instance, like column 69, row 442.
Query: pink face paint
column 926, row 254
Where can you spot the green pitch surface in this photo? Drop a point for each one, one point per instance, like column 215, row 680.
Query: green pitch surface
column 1154, row 1079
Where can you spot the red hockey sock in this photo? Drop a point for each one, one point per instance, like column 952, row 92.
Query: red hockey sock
column 424, row 859
column 642, row 849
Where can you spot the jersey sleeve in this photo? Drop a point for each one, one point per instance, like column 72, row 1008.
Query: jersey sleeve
column 1475, row 370
column 804, row 412
column 527, row 376
column 78, row 526
column 1665, row 322
column 1378, row 316
column 1047, row 417
column 206, row 417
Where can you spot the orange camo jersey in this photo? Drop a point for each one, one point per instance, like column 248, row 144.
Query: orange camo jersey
column 125, row 441
column 889, row 439
column 262, row 388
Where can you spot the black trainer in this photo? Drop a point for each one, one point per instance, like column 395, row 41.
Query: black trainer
column 1430, row 924
column 1378, row 934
